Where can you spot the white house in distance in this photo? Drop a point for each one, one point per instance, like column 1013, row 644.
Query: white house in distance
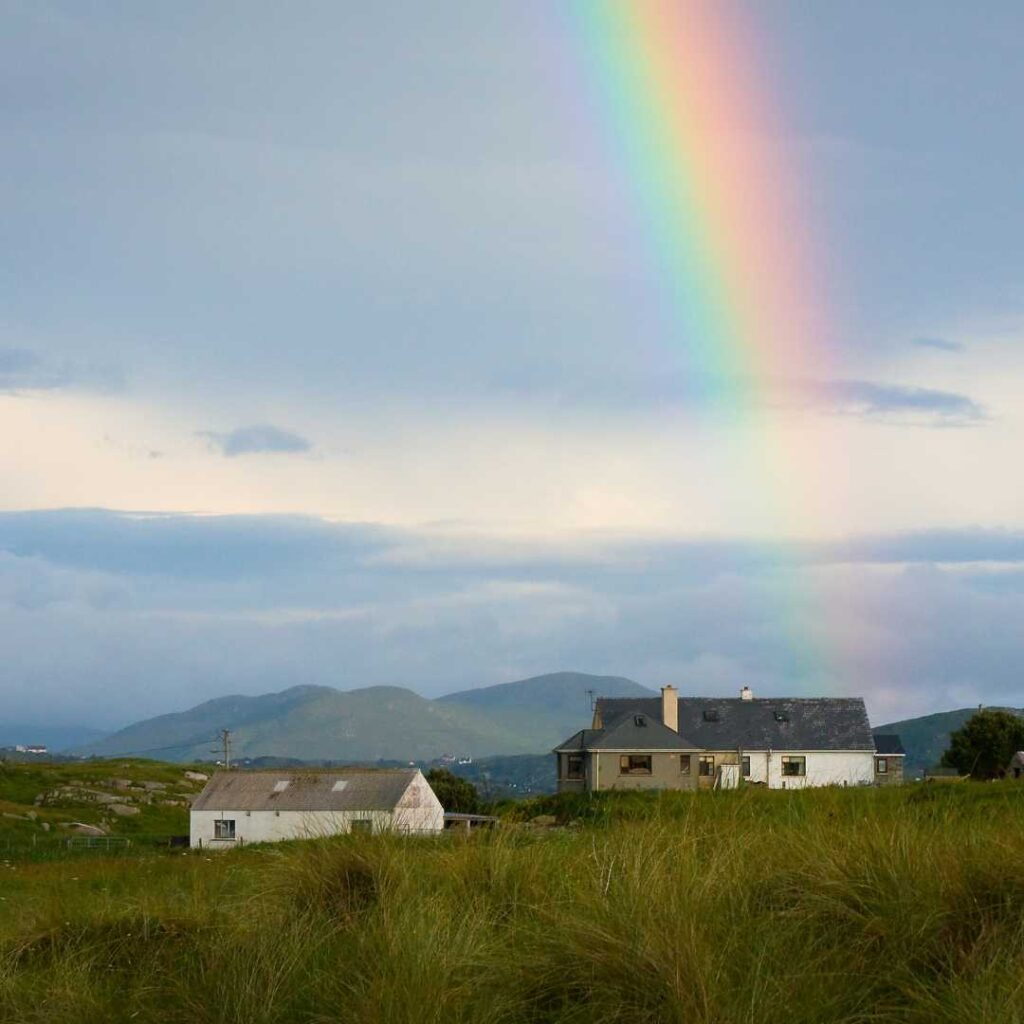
column 715, row 742
column 263, row 806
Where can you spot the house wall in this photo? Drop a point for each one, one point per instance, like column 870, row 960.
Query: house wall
column 271, row 826
column 604, row 772
column 566, row 785
column 892, row 777
column 824, row 768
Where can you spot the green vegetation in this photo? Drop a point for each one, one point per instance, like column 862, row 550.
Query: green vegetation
column 983, row 746
column 43, row 804
column 456, row 795
column 862, row 906
column 927, row 738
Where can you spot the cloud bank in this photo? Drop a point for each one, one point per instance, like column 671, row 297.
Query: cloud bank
column 155, row 613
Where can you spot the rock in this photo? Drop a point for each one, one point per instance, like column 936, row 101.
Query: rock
column 16, row 817
column 197, row 776
column 544, row 820
column 122, row 810
column 46, row 826
column 80, row 828
column 118, row 783
column 152, row 786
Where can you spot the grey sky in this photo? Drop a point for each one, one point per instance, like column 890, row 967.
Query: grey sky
column 375, row 253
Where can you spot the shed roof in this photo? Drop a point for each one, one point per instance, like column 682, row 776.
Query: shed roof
column 349, row 789
column 764, row 723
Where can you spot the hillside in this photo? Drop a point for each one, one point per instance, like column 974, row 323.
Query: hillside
column 312, row 722
column 49, row 801
column 925, row 739
column 374, row 723
column 549, row 707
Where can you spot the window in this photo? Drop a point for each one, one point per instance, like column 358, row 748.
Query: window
column 224, row 828
column 280, row 787
column 684, row 764
column 794, row 766
column 640, row 721
column 711, row 715
column 707, row 765
column 362, row 825
column 746, row 767
column 635, row 764
column 574, row 766
column 881, row 766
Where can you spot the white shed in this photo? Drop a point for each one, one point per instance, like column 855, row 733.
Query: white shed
column 263, row 806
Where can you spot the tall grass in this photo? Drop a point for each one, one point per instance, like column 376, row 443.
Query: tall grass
column 854, row 906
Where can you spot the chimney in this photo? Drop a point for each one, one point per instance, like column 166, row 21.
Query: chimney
column 746, row 693
column 670, row 707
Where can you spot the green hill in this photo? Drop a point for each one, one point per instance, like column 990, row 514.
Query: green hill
column 316, row 722
column 925, row 739
column 374, row 723
column 549, row 707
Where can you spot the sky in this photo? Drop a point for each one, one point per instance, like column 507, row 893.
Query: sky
column 328, row 355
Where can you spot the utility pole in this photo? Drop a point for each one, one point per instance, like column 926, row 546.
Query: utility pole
column 224, row 746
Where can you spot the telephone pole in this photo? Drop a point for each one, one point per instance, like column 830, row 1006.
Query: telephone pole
column 224, row 746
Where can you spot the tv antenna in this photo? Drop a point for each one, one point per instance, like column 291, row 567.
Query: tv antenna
column 224, row 746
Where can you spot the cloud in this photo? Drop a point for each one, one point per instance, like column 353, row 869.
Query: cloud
column 196, row 607
column 260, row 437
column 629, row 391
column 872, row 400
column 942, row 344
column 24, row 370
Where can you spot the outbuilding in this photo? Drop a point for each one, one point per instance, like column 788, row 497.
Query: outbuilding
column 238, row 807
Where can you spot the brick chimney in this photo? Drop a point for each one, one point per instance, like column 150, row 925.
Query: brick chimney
column 670, row 707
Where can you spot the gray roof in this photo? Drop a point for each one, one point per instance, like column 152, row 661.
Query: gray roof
column 727, row 723
column 639, row 731
column 306, row 790
column 888, row 743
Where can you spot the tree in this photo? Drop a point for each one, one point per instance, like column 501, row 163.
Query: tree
column 984, row 745
column 457, row 796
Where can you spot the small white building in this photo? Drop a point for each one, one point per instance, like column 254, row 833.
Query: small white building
column 264, row 806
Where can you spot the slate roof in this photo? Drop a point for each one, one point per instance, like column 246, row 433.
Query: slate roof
column 888, row 743
column 639, row 731
column 727, row 723
column 306, row 790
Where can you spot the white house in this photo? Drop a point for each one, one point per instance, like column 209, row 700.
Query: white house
column 263, row 806
column 713, row 742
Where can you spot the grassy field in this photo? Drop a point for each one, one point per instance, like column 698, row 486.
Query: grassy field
column 804, row 908
column 42, row 805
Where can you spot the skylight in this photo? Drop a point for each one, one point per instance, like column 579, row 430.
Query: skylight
column 339, row 786
column 281, row 786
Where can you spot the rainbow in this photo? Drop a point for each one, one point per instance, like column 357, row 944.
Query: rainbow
column 695, row 133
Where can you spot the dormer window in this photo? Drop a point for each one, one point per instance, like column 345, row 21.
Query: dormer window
column 711, row 715
column 640, row 720
column 781, row 716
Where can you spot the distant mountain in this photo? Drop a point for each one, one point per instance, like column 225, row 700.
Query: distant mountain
column 374, row 723
column 926, row 739
column 550, row 707
column 313, row 722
